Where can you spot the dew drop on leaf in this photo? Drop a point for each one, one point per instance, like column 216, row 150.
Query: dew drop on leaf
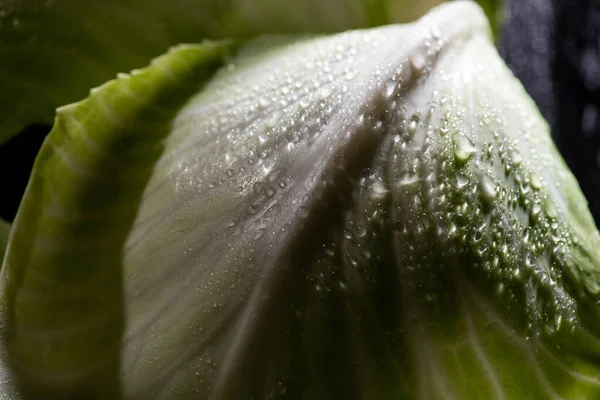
column 463, row 149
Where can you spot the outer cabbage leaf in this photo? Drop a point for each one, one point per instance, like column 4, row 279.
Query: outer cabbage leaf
column 53, row 51
column 498, row 255
column 62, row 290
column 374, row 214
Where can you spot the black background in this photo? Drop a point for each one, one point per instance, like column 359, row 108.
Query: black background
column 553, row 47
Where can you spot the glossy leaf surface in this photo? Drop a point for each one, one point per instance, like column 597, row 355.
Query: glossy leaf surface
column 63, row 309
column 372, row 214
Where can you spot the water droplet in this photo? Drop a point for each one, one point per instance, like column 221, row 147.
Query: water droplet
column 260, row 232
column 263, row 102
column 461, row 181
column 430, row 113
column 324, row 93
column 488, row 191
column 516, row 158
column 412, row 127
column 304, row 103
column 378, row 191
column 535, row 181
column 263, row 154
column 535, row 211
column 390, row 88
column 417, row 62
column 500, row 288
column 273, row 175
column 362, row 232
column 550, row 208
column 302, row 212
column 270, row 192
column 257, row 187
column 268, row 165
column 360, row 119
column 463, row 149
column 254, row 206
column 263, row 137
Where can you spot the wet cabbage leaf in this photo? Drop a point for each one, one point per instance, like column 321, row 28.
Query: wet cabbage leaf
column 372, row 214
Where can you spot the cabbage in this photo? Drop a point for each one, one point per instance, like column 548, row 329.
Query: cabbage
column 373, row 214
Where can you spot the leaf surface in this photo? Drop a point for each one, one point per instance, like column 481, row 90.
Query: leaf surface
column 62, row 279
column 373, row 214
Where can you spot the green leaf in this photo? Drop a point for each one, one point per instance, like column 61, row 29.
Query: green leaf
column 53, row 51
column 4, row 232
column 376, row 214
column 499, row 256
column 373, row 214
column 63, row 298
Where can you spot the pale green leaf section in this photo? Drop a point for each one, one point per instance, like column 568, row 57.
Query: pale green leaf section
column 498, row 253
column 376, row 214
column 221, row 268
column 4, row 232
column 61, row 282
column 53, row 51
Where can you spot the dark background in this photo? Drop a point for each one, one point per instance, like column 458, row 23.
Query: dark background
column 16, row 159
column 552, row 46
